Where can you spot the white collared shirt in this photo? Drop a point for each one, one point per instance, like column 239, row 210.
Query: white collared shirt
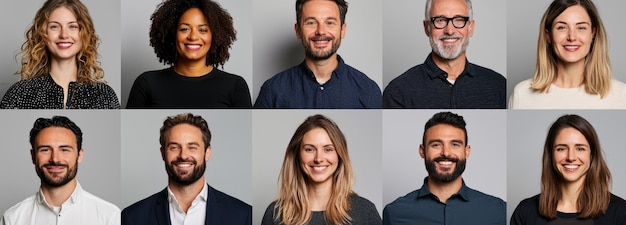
column 80, row 208
column 196, row 214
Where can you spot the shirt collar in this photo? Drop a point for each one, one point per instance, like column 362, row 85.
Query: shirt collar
column 73, row 199
column 433, row 71
column 463, row 192
column 203, row 196
column 341, row 69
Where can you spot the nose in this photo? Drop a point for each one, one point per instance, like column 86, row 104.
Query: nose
column 318, row 157
column 449, row 29
column 320, row 29
column 193, row 35
column 571, row 155
column 183, row 153
column 63, row 33
column 571, row 35
column 54, row 156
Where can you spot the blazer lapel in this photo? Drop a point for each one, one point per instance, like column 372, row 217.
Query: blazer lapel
column 214, row 213
column 162, row 209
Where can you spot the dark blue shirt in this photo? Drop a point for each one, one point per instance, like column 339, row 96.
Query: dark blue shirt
column 467, row 207
column 425, row 86
column 297, row 87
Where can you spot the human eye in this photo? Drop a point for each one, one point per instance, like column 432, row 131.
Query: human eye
column 74, row 26
column 310, row 22
column 173, row 148
column 435, row 145
column 53, row 26
column 583, row 28
column 560, row 27
column 329, row 149
column 43, row 149
column 581, row 148
column 559, row 148
column 308, row 149
column 183, row 29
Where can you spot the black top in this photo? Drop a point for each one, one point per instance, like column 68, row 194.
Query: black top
column 425, row 86
column 527, row 213
column 363, row 212
column 44, row 93
column 297, row 88
column 167, row 89
column 467, row 207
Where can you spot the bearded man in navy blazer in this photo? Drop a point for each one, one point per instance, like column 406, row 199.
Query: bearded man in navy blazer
column 185, row 149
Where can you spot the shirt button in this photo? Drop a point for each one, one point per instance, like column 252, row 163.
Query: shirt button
column 322, row 88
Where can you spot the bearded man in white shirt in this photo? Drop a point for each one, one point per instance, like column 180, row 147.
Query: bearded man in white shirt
column 56, row 152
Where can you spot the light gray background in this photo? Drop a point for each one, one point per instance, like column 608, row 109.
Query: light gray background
column 276, row 47
column 406, row 45
column 527, row 131
column 18, row 17
column 404, row 169
column 523, row 30
column 229, row 169
column 274, row 128
column 99, row 172
column 138, row 56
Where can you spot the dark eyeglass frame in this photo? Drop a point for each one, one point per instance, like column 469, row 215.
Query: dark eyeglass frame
column 465, row 20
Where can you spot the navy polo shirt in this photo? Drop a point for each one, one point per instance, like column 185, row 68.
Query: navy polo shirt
column 467, row 207
column 425, row 86
column 297, row 88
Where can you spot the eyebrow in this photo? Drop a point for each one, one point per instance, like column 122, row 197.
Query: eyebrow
column 439, row 140
column 187, row 24
column 328, row 145
column 576, row 145
column 578, row 23
column 49, row 146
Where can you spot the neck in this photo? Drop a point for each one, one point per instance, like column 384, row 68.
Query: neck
column 570, row 75
column 56, row 196
column 322, row 69
column 185, row 194
column 443, row 190
column 192, row 68
column 319, row 194
column 454, row 67
column 63, row 71
column 569, row 197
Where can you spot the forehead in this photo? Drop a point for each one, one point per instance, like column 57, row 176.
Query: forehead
column 570, row 135
column 316, row 135
column 444, row 132
column 62, row 13
column 449, row 8
column 184, row 131
column 193, row 14
column 573, row 14
column 320, row 8
column 56, row 135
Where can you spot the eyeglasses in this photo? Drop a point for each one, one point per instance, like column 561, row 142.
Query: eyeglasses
column 442, row 22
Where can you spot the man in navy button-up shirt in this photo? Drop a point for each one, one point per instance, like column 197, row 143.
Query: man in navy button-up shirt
column 323, row 80
column 444, row 198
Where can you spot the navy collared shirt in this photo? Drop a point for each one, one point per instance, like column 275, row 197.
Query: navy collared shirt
column 425, row 86
column 467, row 207
column 297, row 88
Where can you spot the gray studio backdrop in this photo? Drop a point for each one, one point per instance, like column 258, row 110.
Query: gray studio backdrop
column 138, row 56
column 527, row 131
column 406, row 45
column 18, row 17
column 523, row 20
column 99, row 172
column 276, row 47
column 404, row 169
column 273, row 130
column 229, row 169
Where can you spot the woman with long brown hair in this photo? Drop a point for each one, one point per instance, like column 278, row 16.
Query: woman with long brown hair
column 59, row 63
column 315, row 181
column 575, row 180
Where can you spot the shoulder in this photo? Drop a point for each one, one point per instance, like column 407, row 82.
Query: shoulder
column 523, row 86
column 228, row 76
column 285, row 75
column 531, row 203
column 487, row 73
column 400, row 202
column 227, row 201
column 358, row 201
column 30, row 83
column 18, row 208
column 360, row 77
column 102, row 205
column 617, row 203
column 485, row 197
column 618, row 86
column 143, row 206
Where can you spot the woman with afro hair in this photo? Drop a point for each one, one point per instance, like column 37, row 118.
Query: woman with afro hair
column 193, row 37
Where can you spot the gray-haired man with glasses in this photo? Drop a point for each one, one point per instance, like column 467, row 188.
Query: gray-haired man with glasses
column 447, row 79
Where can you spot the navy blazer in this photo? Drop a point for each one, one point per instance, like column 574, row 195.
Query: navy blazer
column 221, row 209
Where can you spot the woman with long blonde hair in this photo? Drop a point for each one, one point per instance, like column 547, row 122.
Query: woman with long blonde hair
column 315, row 181
column 575, row 180
column 59, row 62
column 573, row 68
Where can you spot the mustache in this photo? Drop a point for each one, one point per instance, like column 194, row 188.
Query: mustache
column 321, row 38
column 179, row 160
column 445, row 36
column 55, row 164
column 446, row 158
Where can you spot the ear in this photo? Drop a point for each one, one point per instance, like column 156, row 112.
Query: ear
column 81, row 152
column 468, row 150
column 426, row 28
column 32, row 156
column 343, row 30
column 297, row 29
column 163, row 154
column 207, row 154
column 422, row 151
column 471, row 28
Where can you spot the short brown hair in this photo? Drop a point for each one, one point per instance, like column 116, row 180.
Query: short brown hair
column 186, row 118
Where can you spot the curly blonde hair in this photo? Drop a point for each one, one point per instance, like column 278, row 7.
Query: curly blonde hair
column 36, row 56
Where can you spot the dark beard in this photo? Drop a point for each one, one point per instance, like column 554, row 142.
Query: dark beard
column 196, row 174
column 448, row 177
column 49, row 181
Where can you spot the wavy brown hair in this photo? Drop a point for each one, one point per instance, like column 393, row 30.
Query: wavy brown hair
column 594, row 197
column 597, row 75
column 165, row 22
column 36, row 57
column 292, row 206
